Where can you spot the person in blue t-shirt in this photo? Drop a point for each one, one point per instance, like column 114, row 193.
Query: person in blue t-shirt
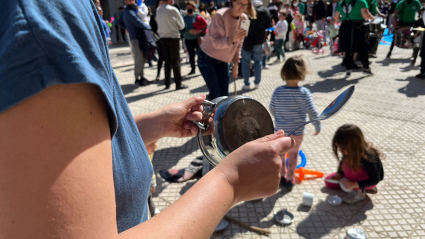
column 73, row 158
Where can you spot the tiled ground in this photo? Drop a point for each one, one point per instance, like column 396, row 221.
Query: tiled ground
column 390, row 109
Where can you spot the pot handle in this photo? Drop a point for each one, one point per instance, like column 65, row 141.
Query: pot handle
column 208, row 109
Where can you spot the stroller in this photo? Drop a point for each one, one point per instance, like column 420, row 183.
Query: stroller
column 314, row 39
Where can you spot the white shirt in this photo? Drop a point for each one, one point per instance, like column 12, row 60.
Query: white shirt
column 170, row 22
column 281, row 28
column 143, row 12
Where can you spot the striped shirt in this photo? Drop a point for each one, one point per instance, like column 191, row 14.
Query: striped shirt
column 290, row 106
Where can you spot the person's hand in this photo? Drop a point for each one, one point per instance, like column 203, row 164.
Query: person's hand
column 382, row 15
column 337, row 176
column 239, row 35
column 350, row 184
column 253, row 170
column 316, row 133
column 176, row 120
column 194, row 31
column 153, row 189
column 235, row 71
column 151, row 147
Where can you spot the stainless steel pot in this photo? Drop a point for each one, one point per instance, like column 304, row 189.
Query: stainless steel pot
column 236, row 120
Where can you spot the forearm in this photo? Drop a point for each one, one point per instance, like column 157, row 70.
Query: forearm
column 150, row 126
column 194, row 215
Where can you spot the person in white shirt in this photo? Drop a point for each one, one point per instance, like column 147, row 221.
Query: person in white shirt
column 281, row 28
column 142, row 11
column 170, row 22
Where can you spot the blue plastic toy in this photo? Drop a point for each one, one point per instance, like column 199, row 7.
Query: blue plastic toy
column 303, row 160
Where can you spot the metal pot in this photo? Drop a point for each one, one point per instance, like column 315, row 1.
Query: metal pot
column 237, row 120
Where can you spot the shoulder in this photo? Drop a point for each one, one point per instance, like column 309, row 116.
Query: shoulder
column 221, row 12
column 305, row 90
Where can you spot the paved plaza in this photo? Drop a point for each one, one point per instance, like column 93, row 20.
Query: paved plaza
column 390, row 109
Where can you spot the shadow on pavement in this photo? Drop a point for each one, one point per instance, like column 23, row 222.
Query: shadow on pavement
column 414, row 88
column 388, row 61
column 172, row 155
column 330, row 85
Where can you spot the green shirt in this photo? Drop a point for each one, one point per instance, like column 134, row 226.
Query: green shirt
column 188, row 21
column 407, row 11
column 373, row 4
column 354, row 13
column 301, row 8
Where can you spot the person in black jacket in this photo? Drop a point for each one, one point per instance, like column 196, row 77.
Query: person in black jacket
column 253, row 44
column 332, row 8
column 319, row 14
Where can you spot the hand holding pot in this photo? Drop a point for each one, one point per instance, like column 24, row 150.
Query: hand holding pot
column 253, row 170
column 177, row 119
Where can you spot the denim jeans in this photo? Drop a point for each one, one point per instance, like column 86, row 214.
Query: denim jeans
column 257, row 55
column 216, row 75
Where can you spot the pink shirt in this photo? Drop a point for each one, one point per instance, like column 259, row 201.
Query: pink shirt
column 300, row 27
column 217, row 43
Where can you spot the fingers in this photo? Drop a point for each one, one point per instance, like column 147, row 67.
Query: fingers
column 271, row 137
column 196, row 116
column 194, row 101
column 282, row 145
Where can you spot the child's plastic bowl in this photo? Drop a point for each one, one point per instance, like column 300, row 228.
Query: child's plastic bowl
column 334, row 200
column 342, row 186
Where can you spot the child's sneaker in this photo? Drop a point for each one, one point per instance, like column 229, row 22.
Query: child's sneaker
column 354, row 197
column 372, row 191
column 286, row 184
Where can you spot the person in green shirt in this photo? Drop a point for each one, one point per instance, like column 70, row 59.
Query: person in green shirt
column 353, row 34
column 404, row 15
column 374, row 40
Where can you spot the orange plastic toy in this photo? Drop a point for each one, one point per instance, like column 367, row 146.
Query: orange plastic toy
column 303, row 172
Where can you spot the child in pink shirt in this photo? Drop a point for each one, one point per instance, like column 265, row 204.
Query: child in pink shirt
column 300, row 28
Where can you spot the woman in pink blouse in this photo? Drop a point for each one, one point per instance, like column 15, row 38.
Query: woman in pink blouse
column 222, row 45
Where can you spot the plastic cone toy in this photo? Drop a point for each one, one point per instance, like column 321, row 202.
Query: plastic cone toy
column 303, row 172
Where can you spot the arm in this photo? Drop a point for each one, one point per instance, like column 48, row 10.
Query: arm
column 136, row 20
column 62, row 183
column 272, row 104
column 217, row 33
column 366, row 14
column 337, row 16
column 312, row 112
column 179, row 19
column 395, row 16
column 372, row 171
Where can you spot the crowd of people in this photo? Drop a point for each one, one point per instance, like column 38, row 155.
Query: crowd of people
column 85, row 169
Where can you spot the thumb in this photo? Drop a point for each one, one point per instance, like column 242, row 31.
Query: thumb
column 270, row 137
column 282, row 145
column 194, row 101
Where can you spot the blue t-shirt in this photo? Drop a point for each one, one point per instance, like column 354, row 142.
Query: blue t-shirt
column 291, row 106
column 43, row 43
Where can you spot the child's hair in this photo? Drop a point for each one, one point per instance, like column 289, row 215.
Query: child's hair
column 282, row 13
column 349, row 139
column 294, row 68
column 301, row 16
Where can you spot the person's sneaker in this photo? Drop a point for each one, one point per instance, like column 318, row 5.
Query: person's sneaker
column 421, row 76
column 181, row 87
column 372, row 190
column 354, row 197
column 389, row 55
column 266, row 67
column 289, row 185
column 167, row 87
column 277, row 61
column 141, row 82
column 367, row 71
column 257, row 86
column 348, row 73
column 246, row 87
column 191, row 72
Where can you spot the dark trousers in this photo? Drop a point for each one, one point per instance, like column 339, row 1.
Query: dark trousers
column 364, row 58
column 423, row 66
column 192, row 47
column 171, row 54
column 216, row 75
column 160, row 58
column 122, row 30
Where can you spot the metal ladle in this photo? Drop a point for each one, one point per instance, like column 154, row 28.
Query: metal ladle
column 332, row 108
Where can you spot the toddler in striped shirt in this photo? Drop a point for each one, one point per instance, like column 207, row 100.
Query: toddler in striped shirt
column 289, row 105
